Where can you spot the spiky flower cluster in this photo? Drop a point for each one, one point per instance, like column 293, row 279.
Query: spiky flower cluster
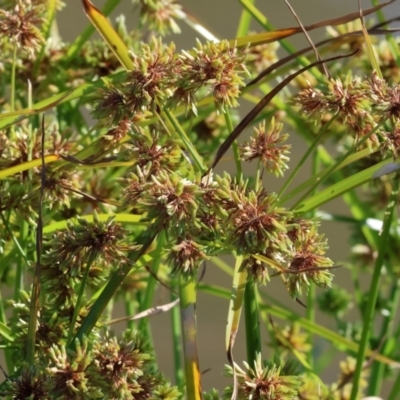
column 160, row 74
column 192, row 218
column 215, row 65
column 96, row 245
column 361, row 105
column 203, row 217
column 266, row 146
column 160, row 15
column 21, row 25
column 291, row 339
column 24, row 146
column 113, row 368
column 264, row 381
column 312, row 389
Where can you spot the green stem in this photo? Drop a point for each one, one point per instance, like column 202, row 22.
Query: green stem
column 19, row 274
column 312, row 291
column 129, row 309
column 235, row 148
column 377, row 371
column 15, row 240
column 245, row 21
column 13, row 72
column 252, row 321
column 91, row 257
column 144, row 325
column 46, row 28
column 394, row 394
column 186, row 141
column 7, row 352
column 177, row 341
column 373, row 291
column 187, row 295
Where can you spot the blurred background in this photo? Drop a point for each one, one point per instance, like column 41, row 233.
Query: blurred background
column 221, row 17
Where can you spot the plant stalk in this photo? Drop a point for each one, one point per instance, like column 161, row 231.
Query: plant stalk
column 374, row 289
column 187, row 295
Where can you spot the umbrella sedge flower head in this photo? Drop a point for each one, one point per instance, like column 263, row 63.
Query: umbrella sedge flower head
column 101, row 244
column 268, row 148
column 102, row 239
column 151, row 77
column 152, row 154
column 292, row 339
column 262, row 56
column 30, row 383
column 308, row 263
column 346, row 98
column 255, row 222
column 392, row 140
column 133, row 97
column 22, row 24
column 218, row 66
column 119, row 364
column 264, row 381
column 335, row 301
column 171, row 201
column 343, row 387
column 186, row 256
column 68, row 374
column 385, row 99
column 160, row 15
column 111, row 105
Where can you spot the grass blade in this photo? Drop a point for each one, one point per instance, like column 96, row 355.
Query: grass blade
column 114, row 42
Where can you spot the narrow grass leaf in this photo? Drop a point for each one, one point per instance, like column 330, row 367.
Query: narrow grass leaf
column 268, row 37
column 27, row 165
column 90, row 29
column 347, row 184
column 187, row 295
column 111, row 37
column 235, row 310
column 5, row 332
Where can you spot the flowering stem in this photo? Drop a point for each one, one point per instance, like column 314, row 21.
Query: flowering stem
column 395, row 389
column 89, row 262
column 13, row 70
column 186, row 141
column 24, row 232
column 378, row 369
column 144, row 325
column 312, row 291
column 245, row 21
column 374, row 289
column 235, row 148
column 130, row 308
column 252, row 322
column 187, row 295
column 177, row 341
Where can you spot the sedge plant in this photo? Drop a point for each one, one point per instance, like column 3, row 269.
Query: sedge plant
column 100, row 213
